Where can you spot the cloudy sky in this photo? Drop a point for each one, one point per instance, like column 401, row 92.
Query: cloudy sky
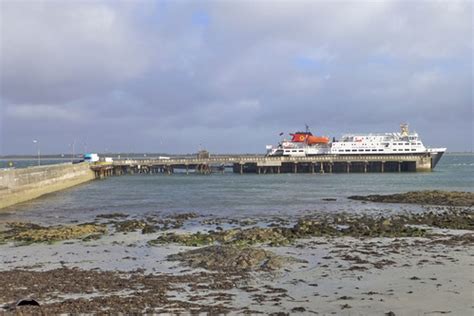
column 172, row 76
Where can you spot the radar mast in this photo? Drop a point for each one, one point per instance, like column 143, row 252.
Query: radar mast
column 404, row 129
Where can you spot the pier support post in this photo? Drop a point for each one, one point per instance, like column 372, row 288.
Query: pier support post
column 399, row 166
column 348, row 167
column 365, row 166
column 382, row 167
column 295, row 167
column 187, row 169
column 312, row 167
column 330, row 167
column 278, row 169
column 321, row 167
column 241, row 169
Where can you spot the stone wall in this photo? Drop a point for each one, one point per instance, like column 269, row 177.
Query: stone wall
column 19, row 185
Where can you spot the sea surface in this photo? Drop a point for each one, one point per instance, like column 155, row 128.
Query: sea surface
column 234, row 195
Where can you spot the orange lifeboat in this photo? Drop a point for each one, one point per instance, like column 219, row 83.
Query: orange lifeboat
column 306, row 137
column 312, row 140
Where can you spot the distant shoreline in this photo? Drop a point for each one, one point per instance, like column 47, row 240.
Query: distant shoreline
column 148, row 155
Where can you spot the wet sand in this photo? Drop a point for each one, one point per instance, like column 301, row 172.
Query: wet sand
column 320, row 264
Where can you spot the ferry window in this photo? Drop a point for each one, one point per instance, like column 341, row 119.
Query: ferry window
column 348, row 150
column 361, row 150
column 367, row 150
column 374, row 149
column 301, row 151
column 407, row 143
column 294, row 150
column 354, row 149
column 380, row 149
column 413, row 150
column 395, row 149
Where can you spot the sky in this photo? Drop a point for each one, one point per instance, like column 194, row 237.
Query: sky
column 230, row 76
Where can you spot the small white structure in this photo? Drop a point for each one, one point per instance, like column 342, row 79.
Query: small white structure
column 91, row 157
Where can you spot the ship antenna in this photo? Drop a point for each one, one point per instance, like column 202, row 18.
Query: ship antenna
column 307, row 128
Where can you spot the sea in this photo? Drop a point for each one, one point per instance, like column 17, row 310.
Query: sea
column 232, row 195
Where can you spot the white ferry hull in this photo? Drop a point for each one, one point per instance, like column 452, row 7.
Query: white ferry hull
column 403, row 143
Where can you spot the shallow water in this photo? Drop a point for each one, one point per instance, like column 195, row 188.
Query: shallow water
column 234, row 195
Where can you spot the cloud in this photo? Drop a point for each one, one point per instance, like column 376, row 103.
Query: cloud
column 41, row 112
column 232, row 75
column 53, row 52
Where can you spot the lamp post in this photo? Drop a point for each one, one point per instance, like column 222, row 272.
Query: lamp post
column 73, row 150
column 39, row 151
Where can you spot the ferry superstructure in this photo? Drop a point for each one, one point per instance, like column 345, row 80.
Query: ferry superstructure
column 399, row 143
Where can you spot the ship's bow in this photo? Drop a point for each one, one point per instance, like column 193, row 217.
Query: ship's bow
column 436, row 154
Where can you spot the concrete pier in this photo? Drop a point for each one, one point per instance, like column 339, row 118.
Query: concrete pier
column 270, row 165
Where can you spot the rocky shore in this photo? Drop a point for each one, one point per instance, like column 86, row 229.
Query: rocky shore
column 422, row 197
column 319, row 263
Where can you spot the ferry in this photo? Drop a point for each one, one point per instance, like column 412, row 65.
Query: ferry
column 304, row 144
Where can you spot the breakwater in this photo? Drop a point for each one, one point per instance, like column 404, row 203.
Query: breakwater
column 19, row 185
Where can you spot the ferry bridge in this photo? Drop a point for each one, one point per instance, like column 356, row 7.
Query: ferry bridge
column 269, row 165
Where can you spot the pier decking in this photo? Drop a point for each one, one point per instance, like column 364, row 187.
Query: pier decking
column 270, row 165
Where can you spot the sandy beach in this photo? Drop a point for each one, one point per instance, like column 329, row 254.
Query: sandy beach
column 341, row 264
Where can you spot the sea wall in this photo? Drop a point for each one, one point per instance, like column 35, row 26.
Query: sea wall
column 19, row 185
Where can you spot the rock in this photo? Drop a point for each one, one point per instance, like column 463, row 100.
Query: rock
column 129, row 225
column 149, row 229
column 111, row 215
column 184, row 216
column 231, row 258
column 32, row 233
column 451, row 198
